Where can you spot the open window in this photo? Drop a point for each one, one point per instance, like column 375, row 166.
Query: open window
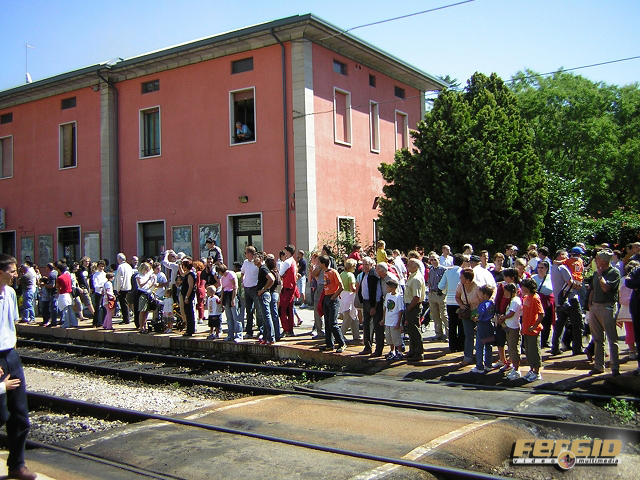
column 6, row 157
column 150, row 140
column 242, row 107
column 68, row 145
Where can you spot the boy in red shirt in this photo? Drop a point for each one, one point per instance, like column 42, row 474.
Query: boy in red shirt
column 532, row 314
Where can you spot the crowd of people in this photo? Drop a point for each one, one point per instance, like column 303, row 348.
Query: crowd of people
column 513, row 303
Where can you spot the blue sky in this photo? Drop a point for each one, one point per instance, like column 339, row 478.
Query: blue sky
column 501, row 36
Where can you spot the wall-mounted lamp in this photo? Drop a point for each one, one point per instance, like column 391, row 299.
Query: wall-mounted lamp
column 68, row 214
column 243, row 199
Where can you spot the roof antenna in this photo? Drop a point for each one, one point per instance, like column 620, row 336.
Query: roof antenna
column 26, row 62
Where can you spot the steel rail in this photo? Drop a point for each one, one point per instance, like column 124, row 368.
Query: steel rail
column 157, row 378
column 44, row 400
column 95, row 458
column 534, row 391
column 149, row 377
column 549, row 421
column 184, row 361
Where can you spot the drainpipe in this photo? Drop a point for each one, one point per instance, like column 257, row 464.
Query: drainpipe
column 285, row 137
column 118, row 221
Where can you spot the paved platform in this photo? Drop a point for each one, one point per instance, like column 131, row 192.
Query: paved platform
column 560, row 373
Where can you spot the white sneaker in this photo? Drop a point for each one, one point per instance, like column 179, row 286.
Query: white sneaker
column 497, row 364
column 477, row 370
column 514, row 375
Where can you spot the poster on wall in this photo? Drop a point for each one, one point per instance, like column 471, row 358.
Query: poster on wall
column 205, row 232
column 26, row 249
column 92, row 245
column 45, row 249
column 182, row 241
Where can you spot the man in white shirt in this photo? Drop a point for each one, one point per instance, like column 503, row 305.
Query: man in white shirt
column 249, row 275
column 13, row 409
column 122, row 285
column 446, row 259
column 481, row 276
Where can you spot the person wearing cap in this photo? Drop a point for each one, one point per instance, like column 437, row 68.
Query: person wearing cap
column 602, row 303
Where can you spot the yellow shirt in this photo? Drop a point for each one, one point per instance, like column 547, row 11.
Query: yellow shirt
column 415, row 287
column 381, row 256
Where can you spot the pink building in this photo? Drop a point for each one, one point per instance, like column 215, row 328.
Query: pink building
column 144, row 154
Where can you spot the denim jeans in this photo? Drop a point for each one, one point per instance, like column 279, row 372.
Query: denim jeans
column 482, row 350
column 250, row 301
column 234, row 327
column 264, row 304
column 275, row 319
column 330, row 309
column 13, row 409
column 468, row 326
column 28, row 313
column 68, row 317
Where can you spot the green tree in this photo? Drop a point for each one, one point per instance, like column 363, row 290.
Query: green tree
column 585, row 131
column 472, row 177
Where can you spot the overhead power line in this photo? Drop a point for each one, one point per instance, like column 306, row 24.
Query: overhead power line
column 397, row 18
column 591, row 65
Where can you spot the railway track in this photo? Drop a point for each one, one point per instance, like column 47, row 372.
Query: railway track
column 547, row 421
column 86, row 408
column 194, row 363
column 99, row 460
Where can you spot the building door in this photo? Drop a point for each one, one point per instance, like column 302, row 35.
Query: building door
column 247, row 231
column 8, row 243
column 152, row 239
column 69, row 244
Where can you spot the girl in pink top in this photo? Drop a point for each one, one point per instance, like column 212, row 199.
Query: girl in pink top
column 229, row 283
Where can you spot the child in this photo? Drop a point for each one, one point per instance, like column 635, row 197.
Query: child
column 167, row 309
column 381, row 255
column 511, row 322
column 485, row 334
column 624, row 316
column 393, row 306
column 532, row 314
column 108, row 299
column 215, row 308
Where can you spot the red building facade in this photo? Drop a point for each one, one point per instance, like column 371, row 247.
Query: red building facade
column 142, row 155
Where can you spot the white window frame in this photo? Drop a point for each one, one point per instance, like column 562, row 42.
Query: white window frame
column 232, row 120
column 58, row 245
column 230, row 231
column 346, row 217
column 140, row 239
column 374, row 108
column 60, row 146
column 12, row 156
column 405, row 127
column 348, row 114
column 141, row 113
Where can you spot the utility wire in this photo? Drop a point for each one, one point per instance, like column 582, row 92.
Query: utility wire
column 512, row 80
column 397, row 18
